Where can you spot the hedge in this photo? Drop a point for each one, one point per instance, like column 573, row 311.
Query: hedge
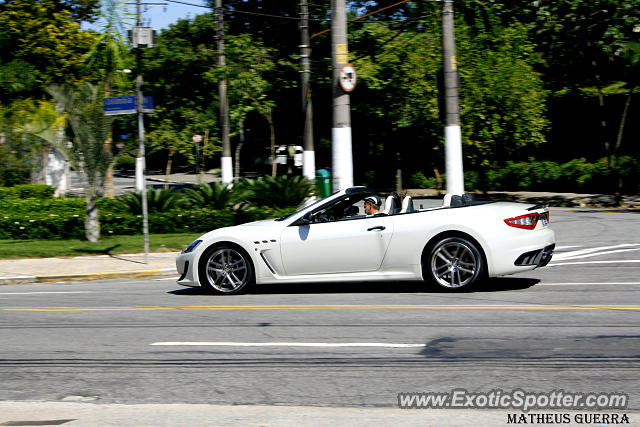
column 575, row 176
column 54, row 226
column 69, row 225
column 25, row 191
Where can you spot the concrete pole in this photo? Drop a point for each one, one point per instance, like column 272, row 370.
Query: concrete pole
column 452, row 134
column 226, row 165
column 308, row 154
column 140, row 161
column 341, row 131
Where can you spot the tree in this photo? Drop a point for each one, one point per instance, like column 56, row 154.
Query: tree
column 44, row 35
column 106, row 60
column 503, row 100
column 248, row 61
column 90, row 127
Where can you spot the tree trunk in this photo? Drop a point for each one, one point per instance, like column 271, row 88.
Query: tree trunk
column 616, row 148
column 108, row 176
column 45, row 164
column 436, row 172
column 92, row 221
column 272, row 132
column 167, row 170
column 236, row 167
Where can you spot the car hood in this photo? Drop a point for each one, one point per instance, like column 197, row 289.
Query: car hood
column 262, row 223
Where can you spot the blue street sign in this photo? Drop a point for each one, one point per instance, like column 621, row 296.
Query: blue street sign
column 126, row 105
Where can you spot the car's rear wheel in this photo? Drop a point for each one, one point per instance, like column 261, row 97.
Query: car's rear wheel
column 226, row 270
column 454, row 263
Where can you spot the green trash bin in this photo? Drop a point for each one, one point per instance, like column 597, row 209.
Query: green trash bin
column 323, row 182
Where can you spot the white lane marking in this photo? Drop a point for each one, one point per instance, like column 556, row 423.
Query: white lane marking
column 291, row 344
column 586, row 283
column 50, row 292
column 621, row 261
column 601, row 250
column 167, row 278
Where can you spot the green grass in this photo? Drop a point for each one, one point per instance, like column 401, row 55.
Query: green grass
column 13, row 249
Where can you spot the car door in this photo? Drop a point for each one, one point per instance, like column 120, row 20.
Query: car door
column 343, row 246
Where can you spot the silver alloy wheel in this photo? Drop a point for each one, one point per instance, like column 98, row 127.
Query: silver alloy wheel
column 227, row 270
column 454, row 264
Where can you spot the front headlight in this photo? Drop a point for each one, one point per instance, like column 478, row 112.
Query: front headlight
column 192, row 246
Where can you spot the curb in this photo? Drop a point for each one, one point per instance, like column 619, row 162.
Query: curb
column 16, row 280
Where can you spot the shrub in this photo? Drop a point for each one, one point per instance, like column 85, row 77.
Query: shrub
column 253, row 213
column 214, row 196
column 418, row 180
column 54, row 226
column 26, row 191
column 577, row 175
column 157, row 201
column 281, row 192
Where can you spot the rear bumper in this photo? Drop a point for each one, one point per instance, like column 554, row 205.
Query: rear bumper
column 536, row 258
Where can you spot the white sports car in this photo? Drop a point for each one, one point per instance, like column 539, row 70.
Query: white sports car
column 453, row 245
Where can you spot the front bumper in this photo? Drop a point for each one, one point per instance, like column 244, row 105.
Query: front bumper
column 184, row 265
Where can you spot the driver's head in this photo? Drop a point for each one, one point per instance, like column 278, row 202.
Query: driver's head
column 372, row 204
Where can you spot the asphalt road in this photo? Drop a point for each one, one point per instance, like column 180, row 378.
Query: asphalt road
column 572, row 325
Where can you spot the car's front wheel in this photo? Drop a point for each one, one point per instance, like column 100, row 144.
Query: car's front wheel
column 226, row 270
column 454, row 263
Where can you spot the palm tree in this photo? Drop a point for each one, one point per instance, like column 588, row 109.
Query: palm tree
column 107, row 59
column 90, row 127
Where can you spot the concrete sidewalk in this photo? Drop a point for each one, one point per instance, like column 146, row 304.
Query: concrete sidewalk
column 71, row 413
column 33, row 270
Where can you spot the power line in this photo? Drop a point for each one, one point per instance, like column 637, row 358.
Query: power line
column 294, row 18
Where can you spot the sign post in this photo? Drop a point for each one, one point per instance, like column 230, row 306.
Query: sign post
column 197, row 139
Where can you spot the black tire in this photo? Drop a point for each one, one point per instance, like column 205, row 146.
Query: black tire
column 453, row 263
column 226, row 270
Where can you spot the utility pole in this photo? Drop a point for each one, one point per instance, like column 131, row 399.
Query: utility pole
column 308, row 154
column 341, row 131
column 226, row 165
column 141, row 161
column 452, row 134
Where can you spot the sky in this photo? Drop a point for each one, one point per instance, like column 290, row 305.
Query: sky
column 160, row 17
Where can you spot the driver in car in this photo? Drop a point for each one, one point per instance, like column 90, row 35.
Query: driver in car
column 372, row 205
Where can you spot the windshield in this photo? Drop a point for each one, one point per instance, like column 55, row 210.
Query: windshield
column 282, row 218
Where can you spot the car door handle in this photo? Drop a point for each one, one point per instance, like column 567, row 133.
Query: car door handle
column 377, row 227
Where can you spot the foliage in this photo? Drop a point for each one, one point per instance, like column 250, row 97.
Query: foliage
column 214, row 196
column 279, row 192
column 12, row 170
column 503, row 100
column 91, row 127
column 71, row 225
column 108, row 53
column 41, row 37
column 157, row 201
column 27, row 191
column 575, row 176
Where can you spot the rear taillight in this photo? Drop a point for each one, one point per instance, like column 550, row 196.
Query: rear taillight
column 528, row 222
column 544, row 217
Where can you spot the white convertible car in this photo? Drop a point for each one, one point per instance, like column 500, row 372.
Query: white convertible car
column 453, row 245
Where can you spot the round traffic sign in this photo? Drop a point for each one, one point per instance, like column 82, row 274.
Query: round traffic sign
column 197, row 138
column 347, row 78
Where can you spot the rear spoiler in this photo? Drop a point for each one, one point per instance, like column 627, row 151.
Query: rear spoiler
column 539, row 206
